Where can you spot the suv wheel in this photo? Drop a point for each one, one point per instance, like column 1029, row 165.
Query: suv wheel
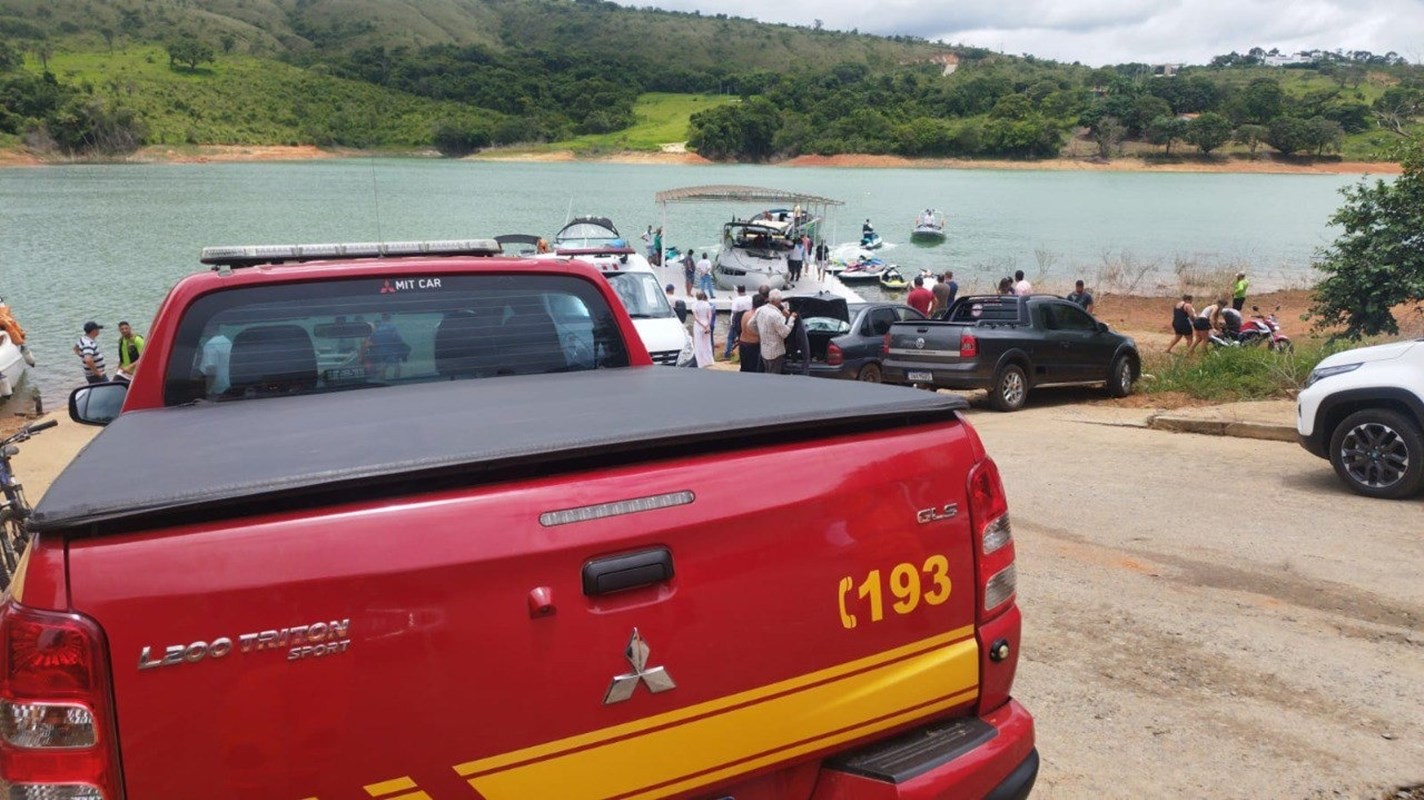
column 1379, row 453
column 1120, row 378
column 1010, row 389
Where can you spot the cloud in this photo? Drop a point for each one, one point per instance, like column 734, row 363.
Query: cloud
column 1099, row 32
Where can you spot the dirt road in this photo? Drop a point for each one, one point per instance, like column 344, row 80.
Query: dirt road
column 1208, row 617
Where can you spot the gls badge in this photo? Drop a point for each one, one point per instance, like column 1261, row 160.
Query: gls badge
column 623, row 686
column 949, row 511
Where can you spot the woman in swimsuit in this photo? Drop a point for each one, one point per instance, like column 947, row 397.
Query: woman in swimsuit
column 1182, row 315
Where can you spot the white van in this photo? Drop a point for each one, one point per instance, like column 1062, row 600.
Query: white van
column 633, row 280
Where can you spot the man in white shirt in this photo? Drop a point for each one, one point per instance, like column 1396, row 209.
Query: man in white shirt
column 741, row 304
column 1022, row 287
column 796, row 260
column 773, row 326
column 704, row 276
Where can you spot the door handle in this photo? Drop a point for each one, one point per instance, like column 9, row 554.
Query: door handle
column 627, row 571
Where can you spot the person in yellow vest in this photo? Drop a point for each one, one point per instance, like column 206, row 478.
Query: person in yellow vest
column 1238, row 291
column 130, row 348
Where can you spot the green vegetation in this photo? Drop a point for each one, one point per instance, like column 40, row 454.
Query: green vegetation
column 1378, row 262
column 1232, row 373
column 462, row 75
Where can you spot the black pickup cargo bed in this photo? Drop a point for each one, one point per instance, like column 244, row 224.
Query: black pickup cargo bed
column 229, row 455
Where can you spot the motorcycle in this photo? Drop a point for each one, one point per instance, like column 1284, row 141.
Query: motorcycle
column 1266, row 328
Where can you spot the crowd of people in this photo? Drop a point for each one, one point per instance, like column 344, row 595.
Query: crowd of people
column 761, row 323
column 1195, row 326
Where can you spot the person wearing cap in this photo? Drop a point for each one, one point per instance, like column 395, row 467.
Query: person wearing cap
column 87, row 348
column 130, row 348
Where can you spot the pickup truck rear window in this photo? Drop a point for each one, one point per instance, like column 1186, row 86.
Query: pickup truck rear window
column 303, row 338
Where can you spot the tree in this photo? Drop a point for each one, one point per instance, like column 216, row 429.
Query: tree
column 1325, row 134
column 189, row 51
column 1261, row 102
column 1209, row 131
column 1251, row 136
column 1165, row 130
column 1378, row 262
column 460, row 137
column 1108, row 133
column 1398, row 106
column 1289, row 134
column 9, row 58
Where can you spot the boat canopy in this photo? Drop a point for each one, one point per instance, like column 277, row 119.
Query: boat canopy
column 747, row 194
column 588, row 232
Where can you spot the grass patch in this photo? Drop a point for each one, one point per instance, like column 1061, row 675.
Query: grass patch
column 1234, row 373
column 662, row 119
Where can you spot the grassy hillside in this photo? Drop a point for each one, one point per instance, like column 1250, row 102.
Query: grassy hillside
column 246, row 100
column 299, row 29
column 662, row 119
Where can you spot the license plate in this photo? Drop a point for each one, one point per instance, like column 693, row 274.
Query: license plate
column 921, row 376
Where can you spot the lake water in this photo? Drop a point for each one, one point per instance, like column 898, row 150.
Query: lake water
column 106, row 242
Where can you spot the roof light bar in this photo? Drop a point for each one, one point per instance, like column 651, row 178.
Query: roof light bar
column 250, row 255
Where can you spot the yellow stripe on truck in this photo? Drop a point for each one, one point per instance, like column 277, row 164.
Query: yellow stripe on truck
column 702, row 744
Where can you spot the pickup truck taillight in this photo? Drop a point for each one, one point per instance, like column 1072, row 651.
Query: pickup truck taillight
column 885, row 346
column 56, row 721
column 834, row 355
column 993, row 540
column 968, row 345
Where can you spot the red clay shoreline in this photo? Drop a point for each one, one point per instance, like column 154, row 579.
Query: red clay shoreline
column 202, row 154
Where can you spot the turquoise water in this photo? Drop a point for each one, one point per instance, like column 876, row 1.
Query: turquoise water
column 106, row 242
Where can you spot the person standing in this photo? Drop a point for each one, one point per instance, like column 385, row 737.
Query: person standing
column 1182, row 316
column 678, row 306
column 689, row 270
column 87, row 348
column 1238, row 291
column 796, row 259
column 748, row 341
column 1082, row 297
column 823, row 259
column 944, row 291
column 704, row 276
column 1022, row 287
column 773, row 328
column 130, row 348
column 741, row 304
column 919, row 297
column 1006, row 286
column 657, row 255
column 647, row 238
column 703, row 317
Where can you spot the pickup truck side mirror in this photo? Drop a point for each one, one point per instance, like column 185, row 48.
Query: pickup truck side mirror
column 97, row 403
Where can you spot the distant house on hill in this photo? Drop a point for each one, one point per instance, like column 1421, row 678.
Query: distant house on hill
column 1166, row 70
column 1284, row 60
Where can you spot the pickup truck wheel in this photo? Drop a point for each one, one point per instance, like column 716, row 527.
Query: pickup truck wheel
column 1379, row 453
column 1120, row 378
column 1010, row 389
column 870, row 373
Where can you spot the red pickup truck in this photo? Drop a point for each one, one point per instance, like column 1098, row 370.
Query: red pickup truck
column 432, row 526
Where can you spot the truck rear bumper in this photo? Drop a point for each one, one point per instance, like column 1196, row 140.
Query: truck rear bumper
column 992, row 756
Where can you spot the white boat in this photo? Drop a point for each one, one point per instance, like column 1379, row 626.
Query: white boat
column 588, row 233
column 14, row 354
column 929, row 227
column 753, row 254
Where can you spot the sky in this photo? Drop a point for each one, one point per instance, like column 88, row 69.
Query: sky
column 1098, row 32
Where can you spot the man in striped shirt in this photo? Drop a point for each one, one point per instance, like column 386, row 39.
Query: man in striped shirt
column 87, row 348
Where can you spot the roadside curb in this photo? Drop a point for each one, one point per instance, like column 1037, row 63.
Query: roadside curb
column 1221, row 427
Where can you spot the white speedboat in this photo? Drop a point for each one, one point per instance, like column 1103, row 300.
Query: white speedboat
column 753, row 254
column 14, row 354
column 588, row 233
column 929, row 227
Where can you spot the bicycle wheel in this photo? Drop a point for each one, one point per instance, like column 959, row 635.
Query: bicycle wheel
column 8, row 557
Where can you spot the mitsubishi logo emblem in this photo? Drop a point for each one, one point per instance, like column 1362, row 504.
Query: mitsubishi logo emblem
column 623, row 686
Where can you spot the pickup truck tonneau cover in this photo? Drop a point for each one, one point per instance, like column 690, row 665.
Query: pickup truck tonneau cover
column 213, row 455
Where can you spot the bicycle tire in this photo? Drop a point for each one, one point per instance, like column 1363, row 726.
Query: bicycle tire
column 9, row 559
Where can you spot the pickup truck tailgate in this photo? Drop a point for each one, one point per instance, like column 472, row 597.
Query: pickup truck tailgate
column 680, row 611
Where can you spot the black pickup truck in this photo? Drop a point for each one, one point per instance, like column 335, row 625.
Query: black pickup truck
column 1009, row 345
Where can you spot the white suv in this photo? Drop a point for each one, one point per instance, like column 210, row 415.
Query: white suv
column 1364, row 410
